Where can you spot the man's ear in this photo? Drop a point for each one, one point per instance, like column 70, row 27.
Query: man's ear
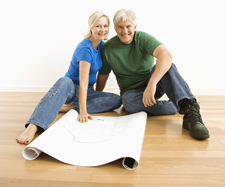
column 135, row 27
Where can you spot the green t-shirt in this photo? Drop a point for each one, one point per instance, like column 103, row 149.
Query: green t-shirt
column 131, row 63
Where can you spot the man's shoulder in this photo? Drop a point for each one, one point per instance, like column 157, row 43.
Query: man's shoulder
column 142, row 35
column 111, row 42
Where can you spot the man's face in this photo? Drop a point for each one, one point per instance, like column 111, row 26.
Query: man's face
column 125, row 31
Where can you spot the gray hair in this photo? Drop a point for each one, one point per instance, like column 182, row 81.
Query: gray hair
column 124, row 15
column 93, row 19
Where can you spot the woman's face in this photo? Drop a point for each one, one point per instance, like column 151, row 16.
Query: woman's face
column 101, row 29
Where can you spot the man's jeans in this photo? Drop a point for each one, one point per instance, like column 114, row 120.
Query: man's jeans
column 171, row 84
column 65, row 91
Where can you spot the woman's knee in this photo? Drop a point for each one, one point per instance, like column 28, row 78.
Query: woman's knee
column 65, row 85
column 64, row 81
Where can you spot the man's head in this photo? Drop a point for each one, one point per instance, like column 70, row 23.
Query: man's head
column 125, row 25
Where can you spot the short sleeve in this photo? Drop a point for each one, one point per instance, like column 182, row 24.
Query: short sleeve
column 84, row 54
column 148, row 43
column 106, row 69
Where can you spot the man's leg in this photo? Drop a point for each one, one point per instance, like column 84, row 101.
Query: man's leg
column 180, row 94
column 132, row 102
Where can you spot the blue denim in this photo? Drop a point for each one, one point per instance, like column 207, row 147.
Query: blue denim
column 171, row 84
column 65, row 91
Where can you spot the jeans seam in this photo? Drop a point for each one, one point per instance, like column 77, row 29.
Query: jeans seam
column 53, row 92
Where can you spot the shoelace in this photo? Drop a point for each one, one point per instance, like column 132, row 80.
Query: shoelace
column 193, row 112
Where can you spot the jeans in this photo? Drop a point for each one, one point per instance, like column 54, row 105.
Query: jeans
column 65, row 91
column 171, row 84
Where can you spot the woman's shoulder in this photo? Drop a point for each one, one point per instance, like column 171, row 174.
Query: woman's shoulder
column 84, row 45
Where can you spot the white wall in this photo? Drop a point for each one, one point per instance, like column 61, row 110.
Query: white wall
column 38, row 37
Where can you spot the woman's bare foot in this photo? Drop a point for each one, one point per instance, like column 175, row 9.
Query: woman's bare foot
column 28, row 135
column 66, row 107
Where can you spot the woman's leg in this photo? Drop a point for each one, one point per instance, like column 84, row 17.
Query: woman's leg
column 63, row 91
column 98, row 102
column 28, row 135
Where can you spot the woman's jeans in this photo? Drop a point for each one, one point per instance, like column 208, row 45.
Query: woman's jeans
column 171, row 84
column 65, row 91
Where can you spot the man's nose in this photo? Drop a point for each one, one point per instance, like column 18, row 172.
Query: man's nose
column 125, row 30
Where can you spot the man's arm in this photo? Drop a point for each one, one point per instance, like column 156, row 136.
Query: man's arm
column 101, row 82
column 163, row 64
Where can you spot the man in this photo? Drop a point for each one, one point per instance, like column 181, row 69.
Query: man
column 130, row 55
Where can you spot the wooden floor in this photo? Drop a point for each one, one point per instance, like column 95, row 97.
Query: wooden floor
column 169, row 157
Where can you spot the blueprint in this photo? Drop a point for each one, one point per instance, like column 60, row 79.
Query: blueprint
column 97, row 142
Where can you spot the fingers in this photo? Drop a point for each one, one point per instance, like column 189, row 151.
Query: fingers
column 84, row 118
column 90, row 117
column 148, row 101
column 149, row 96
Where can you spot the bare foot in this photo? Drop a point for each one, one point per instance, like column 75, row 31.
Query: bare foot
column 66, row 107
column 28, row 135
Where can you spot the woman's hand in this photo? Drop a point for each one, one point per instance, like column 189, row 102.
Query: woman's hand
column 83, row 118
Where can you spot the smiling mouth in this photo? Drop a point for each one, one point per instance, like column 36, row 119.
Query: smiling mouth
column 125, row 35
column 102, row 34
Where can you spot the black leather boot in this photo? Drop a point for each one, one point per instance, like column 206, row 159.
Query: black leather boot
column 192, row 119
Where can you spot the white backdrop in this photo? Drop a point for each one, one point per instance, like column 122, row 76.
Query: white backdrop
column 38, row 37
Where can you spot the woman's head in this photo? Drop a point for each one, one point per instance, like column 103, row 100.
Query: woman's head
column 97, row 20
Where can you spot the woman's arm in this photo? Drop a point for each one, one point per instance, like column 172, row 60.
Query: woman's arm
column 84, row 68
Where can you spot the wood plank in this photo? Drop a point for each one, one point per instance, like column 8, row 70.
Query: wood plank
column 169, row 156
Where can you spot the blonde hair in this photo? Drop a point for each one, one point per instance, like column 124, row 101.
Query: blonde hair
column 124, row 15
column 93, row 19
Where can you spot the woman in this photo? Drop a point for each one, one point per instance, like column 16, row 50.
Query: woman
column 77, row 85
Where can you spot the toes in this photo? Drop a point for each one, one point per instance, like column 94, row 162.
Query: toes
column 22, row 140
column 27, row 142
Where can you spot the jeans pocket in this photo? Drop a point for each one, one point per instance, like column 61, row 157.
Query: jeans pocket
column 51, row 92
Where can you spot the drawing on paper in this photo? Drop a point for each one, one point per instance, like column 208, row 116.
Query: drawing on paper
column 96, row 130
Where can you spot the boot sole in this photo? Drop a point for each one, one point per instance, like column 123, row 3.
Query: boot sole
column 199, row 136
column 204, row 136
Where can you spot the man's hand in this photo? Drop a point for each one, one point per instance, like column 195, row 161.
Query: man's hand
column 83, row 118
column 163, row 64
column 149, row 95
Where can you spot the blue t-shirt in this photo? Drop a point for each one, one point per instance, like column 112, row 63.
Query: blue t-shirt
column 85, row 52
